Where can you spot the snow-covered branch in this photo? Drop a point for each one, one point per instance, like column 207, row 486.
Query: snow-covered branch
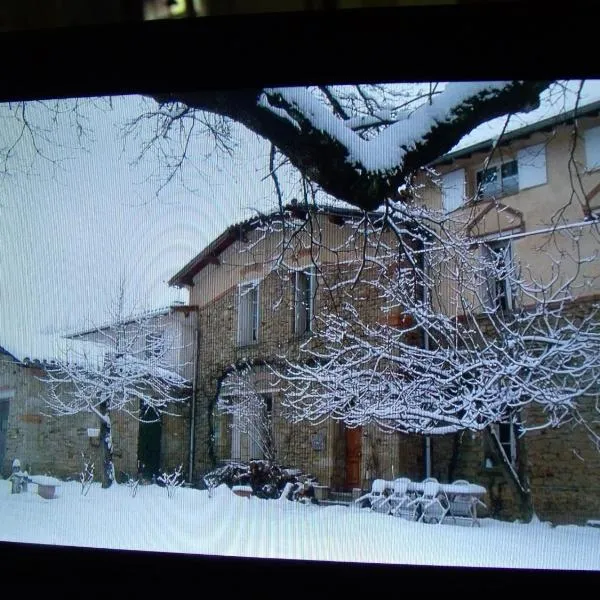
column 359, row 147
column 463, row 339
column 134, row 376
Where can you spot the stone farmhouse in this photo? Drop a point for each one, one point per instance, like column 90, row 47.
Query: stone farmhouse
column 256, row 293
column 251, row 313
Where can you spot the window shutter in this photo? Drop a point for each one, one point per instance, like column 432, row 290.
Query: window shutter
column 532, row 166
column 453, row 190
column 301, row 309
column 242, row 315
column 297, row 300
column 248, row 313
column 592, row 148
column 489, row 279
column 254, row 312
column 254, row 438
column 312, row 274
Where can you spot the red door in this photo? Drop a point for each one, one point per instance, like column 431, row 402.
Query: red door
column 353, row 456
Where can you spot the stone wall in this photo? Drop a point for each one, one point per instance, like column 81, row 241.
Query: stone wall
column 53, row 445
column 318, row 450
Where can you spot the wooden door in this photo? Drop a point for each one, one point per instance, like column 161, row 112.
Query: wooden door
column 149, row 438
column 353, row 457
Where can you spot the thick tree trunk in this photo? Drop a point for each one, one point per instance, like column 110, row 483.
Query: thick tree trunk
column 108, row 468
column 515, row 476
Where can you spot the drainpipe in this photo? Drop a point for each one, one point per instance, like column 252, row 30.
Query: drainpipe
column 427, row 456
column 194, row 393
column 426, row 301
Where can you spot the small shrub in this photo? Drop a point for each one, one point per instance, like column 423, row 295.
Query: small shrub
column 86, row 477
column 171, row 481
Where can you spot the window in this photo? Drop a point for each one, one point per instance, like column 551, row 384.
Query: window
column 498, row 292
column 251, row 431
column 248, row 317
column 498, row 180
column 592, row 148
column 506, row 433
column 260, row 433
column 453, row 190
column 509, row 177
column 304, row 296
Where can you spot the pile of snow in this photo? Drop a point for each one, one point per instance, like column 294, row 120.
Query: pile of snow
column 223, row 523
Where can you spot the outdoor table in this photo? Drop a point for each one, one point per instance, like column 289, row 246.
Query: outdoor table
column 450, row 491
column 463, row 497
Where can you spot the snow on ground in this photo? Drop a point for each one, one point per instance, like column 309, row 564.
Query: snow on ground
column 229, row 525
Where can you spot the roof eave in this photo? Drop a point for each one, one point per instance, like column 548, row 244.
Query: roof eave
column 185, row 276
column 592, row 109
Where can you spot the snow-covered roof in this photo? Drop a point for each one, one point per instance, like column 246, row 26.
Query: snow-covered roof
column 156, row 312
column 237, row 231
column 7, row 353
column 546, row 124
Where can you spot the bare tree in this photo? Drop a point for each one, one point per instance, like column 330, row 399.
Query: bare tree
column 357, row 143
column 240, row 398
column 476, row 340
column 132, row 374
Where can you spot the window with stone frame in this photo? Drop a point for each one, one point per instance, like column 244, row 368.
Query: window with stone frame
column 304, row 301
column 248, row 313
column 506, row 433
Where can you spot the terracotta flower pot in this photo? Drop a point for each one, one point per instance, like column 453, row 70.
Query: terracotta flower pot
column 46, row 491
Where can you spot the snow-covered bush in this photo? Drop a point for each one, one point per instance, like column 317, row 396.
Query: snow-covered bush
column 171, row 481
column 86, row 477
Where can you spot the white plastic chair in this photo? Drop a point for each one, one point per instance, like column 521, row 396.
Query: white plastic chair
column 377, row 496
column 433, row 508
column 464, row 506
column 401, row 502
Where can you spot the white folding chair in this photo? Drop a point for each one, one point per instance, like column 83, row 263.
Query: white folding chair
column 377, row 497
column 464, row 506
column 401, row 502
column 433, row 508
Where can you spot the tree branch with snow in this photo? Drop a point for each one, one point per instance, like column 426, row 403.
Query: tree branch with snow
column 359, row 147
column 130, row 373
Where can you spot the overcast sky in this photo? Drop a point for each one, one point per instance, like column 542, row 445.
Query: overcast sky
column 69, row 235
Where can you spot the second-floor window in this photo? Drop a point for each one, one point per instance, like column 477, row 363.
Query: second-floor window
column 592, row 148
column 304, row 301
column 498, row 180
column 248, row 313
column 500, row 273
column 527, row 169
